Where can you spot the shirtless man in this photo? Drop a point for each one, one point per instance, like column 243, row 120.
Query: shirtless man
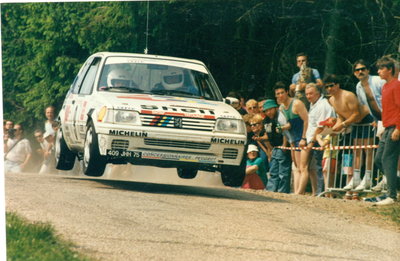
column 296, row 114
column 369, row 94
column 349, row 111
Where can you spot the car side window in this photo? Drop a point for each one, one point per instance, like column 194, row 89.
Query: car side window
column 88, row 81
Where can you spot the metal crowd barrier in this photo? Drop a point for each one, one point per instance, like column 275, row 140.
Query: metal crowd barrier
column 353, row 149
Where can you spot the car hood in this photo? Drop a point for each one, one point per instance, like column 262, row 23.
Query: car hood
column 170, row 105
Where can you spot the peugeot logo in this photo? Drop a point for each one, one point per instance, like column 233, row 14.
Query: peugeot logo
column 178, row 122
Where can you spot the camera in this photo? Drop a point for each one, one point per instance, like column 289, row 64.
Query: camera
column 11, row 133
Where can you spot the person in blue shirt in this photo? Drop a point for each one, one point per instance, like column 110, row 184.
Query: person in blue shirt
column 301, row 78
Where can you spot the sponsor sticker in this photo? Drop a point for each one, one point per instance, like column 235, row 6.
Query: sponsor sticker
column 227, row 141
column 128, row 133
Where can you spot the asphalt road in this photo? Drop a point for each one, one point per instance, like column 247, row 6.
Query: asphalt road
column 197, row 219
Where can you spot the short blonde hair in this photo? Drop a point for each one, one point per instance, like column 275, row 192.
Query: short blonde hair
column 251, row 102
column 256, row 118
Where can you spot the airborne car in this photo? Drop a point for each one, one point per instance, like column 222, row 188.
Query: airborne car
column 149, row 110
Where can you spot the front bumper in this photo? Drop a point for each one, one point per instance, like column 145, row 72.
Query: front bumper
column 171, row 147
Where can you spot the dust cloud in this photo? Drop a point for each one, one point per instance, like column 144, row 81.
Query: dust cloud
column 150, row 174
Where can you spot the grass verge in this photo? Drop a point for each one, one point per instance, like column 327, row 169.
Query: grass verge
column 392, row 212
column 36, row 241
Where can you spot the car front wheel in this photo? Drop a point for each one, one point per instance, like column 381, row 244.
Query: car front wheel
column 93, row 163
column 233, row 176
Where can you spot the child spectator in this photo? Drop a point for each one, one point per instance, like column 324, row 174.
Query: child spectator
column 256, row 177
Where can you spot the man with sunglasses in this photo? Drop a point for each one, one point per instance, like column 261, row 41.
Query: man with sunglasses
column 369, row 94
column 349, row 111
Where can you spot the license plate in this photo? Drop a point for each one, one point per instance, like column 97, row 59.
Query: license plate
column 162, row 156
column 124, row 153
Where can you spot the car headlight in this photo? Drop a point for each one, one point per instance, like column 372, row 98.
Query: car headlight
column 122, row 117
column 127, row 117
column 230, row 125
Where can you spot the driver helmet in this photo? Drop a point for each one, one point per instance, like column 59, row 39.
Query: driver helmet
column 118, row 77
column 172, row 78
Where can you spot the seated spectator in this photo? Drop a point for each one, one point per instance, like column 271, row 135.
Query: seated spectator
column 17, row 151
column 256, row 177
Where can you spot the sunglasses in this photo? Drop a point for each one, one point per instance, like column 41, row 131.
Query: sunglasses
column 360, row 69
column 254, row 124
column 329, row 85
column 253, row 107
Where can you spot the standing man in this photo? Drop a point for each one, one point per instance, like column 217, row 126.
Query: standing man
column 369, row 94
column 296, row 114
column 280, row 162
column 17, row 151
column 349, row 112
column 388, row 152
column 320, row 110
column 50, row 118
column 304, row 76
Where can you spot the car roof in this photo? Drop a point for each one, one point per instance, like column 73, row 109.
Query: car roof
column 149, row 56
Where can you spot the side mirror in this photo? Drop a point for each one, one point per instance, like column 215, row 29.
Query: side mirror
column 231, row 100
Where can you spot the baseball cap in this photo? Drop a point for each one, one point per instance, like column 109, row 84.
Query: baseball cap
column 268, row 104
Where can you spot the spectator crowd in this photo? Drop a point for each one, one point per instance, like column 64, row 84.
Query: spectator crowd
column 290, row 136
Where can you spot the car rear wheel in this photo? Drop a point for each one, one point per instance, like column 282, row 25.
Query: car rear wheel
column 187, row 173
column 65, row 158
column 93, row 163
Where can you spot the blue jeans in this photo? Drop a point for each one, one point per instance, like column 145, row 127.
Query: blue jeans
column 317, row 156
column 280, row 168
column 386, row 159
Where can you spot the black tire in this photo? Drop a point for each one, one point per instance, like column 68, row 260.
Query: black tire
column 187, row 173
column 93, row 163
column 65, row 158
column 233, row 176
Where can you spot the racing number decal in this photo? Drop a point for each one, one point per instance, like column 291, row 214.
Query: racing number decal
column 82, row 117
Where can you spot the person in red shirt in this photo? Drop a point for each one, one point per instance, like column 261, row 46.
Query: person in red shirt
column 388, row 151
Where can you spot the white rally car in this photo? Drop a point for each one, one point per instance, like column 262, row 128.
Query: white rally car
column 149, row 110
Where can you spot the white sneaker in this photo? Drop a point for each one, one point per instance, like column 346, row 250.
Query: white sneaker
column 387, row 201
column 349, row 185
column 380, row 186
column 365, row 184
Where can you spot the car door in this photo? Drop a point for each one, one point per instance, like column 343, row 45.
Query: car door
column 69, row 107
column 83, row 101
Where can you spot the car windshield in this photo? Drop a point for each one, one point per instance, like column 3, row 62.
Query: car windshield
column 158, row 77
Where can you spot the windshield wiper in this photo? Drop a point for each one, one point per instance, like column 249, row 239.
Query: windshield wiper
column 173, row 92
column 130, row 89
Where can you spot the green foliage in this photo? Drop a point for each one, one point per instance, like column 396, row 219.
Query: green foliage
column 37, row 241
column 44, row 44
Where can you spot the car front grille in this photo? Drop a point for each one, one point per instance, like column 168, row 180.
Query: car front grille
column 119, row 144
column 177, row 144
column 175, row 122
column 230, row 153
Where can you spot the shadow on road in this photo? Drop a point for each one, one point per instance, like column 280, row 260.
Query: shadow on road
column 227, row 193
